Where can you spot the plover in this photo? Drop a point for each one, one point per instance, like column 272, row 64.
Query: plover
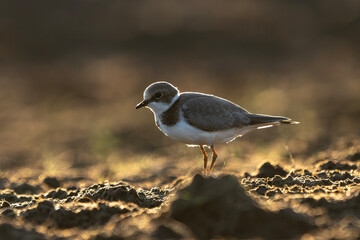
column 202, row 119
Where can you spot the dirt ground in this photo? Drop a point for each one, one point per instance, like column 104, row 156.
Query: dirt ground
column 317, row 201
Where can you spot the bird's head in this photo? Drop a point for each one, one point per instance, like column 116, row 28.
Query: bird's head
column 159, row 96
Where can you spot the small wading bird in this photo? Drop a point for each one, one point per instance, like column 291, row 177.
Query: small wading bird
column 202, row 119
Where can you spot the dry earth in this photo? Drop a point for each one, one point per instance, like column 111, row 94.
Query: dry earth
column 319, row 201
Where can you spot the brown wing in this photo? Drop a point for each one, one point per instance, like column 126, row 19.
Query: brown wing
column 211, row 113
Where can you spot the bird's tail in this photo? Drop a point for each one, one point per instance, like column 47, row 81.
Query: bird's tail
column 289, row 121
column 258, row 119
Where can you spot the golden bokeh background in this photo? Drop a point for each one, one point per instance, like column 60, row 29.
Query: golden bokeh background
column 71, row 73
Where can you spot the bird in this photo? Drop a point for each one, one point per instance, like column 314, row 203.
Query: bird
column 199, row 119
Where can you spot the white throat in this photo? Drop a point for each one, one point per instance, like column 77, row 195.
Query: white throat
column 159, row 107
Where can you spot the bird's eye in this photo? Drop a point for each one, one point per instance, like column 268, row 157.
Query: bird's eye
column 158, row 95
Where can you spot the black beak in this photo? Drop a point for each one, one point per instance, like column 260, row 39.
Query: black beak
column 142, row 104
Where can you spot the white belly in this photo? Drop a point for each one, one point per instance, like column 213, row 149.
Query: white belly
column 184, row 132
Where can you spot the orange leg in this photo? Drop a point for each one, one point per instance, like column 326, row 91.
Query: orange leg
column 205, row 158
column 214, row 157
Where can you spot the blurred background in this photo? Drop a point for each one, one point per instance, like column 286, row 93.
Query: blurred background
column 71, row 73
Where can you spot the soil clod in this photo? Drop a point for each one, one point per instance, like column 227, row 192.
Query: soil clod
column 269, row 170
column 330, row 165
column 52, row 182
column 224, row 209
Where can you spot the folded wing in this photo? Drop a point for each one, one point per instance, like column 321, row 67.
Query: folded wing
column 211, row 113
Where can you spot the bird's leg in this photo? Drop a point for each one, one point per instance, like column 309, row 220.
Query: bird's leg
column 214, row 157
column 205, row 158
